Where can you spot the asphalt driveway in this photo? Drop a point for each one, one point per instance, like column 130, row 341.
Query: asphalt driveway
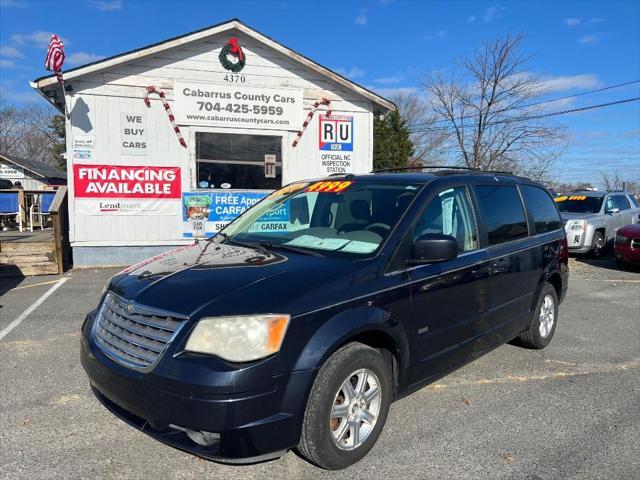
column 569, row 411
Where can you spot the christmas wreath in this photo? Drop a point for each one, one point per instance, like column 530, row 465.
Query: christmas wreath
column 234, row 49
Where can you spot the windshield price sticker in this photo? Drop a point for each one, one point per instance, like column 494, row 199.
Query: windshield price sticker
column 294, row 187
column 329, row 187
column 572, row 197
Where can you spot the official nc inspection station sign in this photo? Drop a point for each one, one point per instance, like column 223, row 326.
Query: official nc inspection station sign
column 238, row 106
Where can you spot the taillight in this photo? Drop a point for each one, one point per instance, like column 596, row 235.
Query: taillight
column 563, row 254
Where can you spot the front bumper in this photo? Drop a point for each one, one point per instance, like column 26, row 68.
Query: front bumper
column 627, row 254
column 253, row 425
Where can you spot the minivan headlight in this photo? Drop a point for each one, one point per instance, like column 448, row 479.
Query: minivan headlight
column 239, row 338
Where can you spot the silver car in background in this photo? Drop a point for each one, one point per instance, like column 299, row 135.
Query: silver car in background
column 592, row 218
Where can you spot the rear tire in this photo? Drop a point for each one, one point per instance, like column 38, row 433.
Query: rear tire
column 342, row 424
column 544, row 320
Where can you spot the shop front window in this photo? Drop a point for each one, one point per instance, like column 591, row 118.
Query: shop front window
column 226, row 160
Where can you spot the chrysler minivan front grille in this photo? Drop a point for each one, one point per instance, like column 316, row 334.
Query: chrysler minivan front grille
column 131, row 335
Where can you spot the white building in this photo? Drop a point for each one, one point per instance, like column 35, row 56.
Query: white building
column 135, row 190
column 30, row 174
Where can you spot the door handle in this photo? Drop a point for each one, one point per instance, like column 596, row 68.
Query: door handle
column 499, row 265
column 481, row 271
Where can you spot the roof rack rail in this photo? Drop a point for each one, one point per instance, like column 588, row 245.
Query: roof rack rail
column 440, row 167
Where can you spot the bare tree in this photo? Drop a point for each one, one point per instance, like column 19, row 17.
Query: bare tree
column 489, row 113
column 27, row 131
column 615, row 182
column 428, row 143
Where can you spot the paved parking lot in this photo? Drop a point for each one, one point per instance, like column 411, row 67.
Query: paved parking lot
column 569, row 411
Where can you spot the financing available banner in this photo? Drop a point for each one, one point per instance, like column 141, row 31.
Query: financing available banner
column 237, row 106
column 126, row 190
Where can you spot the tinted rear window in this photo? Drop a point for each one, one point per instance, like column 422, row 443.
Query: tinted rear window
column 543, row 210
column 502, row 213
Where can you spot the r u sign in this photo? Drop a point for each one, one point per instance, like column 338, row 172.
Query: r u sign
column 336, row 133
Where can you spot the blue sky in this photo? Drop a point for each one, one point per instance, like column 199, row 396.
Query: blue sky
column 386, row 45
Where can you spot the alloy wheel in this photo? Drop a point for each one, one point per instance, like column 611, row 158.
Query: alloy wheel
column 355, row 409
column 547, row 316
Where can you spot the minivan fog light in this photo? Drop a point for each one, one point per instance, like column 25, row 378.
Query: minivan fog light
column 239, row 338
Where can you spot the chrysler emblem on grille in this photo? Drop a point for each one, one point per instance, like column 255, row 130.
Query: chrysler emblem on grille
column 130, row 308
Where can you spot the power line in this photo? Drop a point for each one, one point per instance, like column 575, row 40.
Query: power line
column 609, row 87
column 544, row 115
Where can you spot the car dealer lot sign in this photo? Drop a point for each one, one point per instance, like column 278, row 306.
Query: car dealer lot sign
column 237, row 106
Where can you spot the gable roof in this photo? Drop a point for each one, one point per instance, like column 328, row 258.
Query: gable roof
column 39, row 169
column 51, row 80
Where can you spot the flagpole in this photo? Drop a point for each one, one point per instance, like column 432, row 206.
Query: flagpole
column 64, row 94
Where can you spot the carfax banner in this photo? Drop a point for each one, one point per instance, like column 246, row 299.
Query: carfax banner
column 206, row 213
column 237, row 106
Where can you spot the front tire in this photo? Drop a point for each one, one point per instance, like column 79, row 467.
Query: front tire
column 597, row 244
column 544, row 320
column 347, row 407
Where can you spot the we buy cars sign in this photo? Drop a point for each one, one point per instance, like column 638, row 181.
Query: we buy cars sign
column 131, row 190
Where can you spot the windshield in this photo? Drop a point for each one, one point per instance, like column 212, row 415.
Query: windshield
column 579, row 203
column 346, row 218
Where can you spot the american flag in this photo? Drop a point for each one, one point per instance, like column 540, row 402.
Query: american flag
column 55, row 56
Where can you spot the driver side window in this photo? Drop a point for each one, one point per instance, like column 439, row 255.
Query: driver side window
column 450, row 213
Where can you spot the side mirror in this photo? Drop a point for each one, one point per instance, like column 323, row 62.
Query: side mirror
column 612, row 210
column 433, row 247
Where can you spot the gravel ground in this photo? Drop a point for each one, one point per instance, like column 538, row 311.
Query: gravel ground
column 569, row 411
column 603, row 268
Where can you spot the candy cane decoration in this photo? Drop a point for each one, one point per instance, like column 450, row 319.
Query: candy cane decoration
column 314, row 107
column 167, row 108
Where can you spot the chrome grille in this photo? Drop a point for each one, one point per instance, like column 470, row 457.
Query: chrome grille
column 635, row 243
column 131, row 335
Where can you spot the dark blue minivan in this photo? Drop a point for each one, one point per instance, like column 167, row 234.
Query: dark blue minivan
column 300, row 335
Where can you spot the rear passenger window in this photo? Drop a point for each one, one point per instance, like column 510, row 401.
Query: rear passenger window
column 543, row 210
column 502, row 213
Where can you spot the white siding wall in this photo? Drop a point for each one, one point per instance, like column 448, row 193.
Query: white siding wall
column 98, row 100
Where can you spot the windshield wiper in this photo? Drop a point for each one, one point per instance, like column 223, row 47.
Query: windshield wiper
column 281, row 246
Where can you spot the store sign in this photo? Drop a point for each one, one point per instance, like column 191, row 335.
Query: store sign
column 335, row 142
column 206, row 213
column 335, row 133
column 83, row 147
column 124, row 181
column 11, row 172
column 237, row 106
column 133, row 134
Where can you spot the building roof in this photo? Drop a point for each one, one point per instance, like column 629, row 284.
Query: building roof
column 35, row 167
column 51, row 81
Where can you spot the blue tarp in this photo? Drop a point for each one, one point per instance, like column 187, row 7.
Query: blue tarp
column 9, row 202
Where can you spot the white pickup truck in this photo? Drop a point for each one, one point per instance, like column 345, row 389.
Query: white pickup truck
column 592, row 218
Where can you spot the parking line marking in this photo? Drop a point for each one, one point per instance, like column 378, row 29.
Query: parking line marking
column 33, row 285
column 33, row 306
column 621, row 280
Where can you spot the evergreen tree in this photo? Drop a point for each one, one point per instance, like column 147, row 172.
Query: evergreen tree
column 59, row 146
column 391, row 144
